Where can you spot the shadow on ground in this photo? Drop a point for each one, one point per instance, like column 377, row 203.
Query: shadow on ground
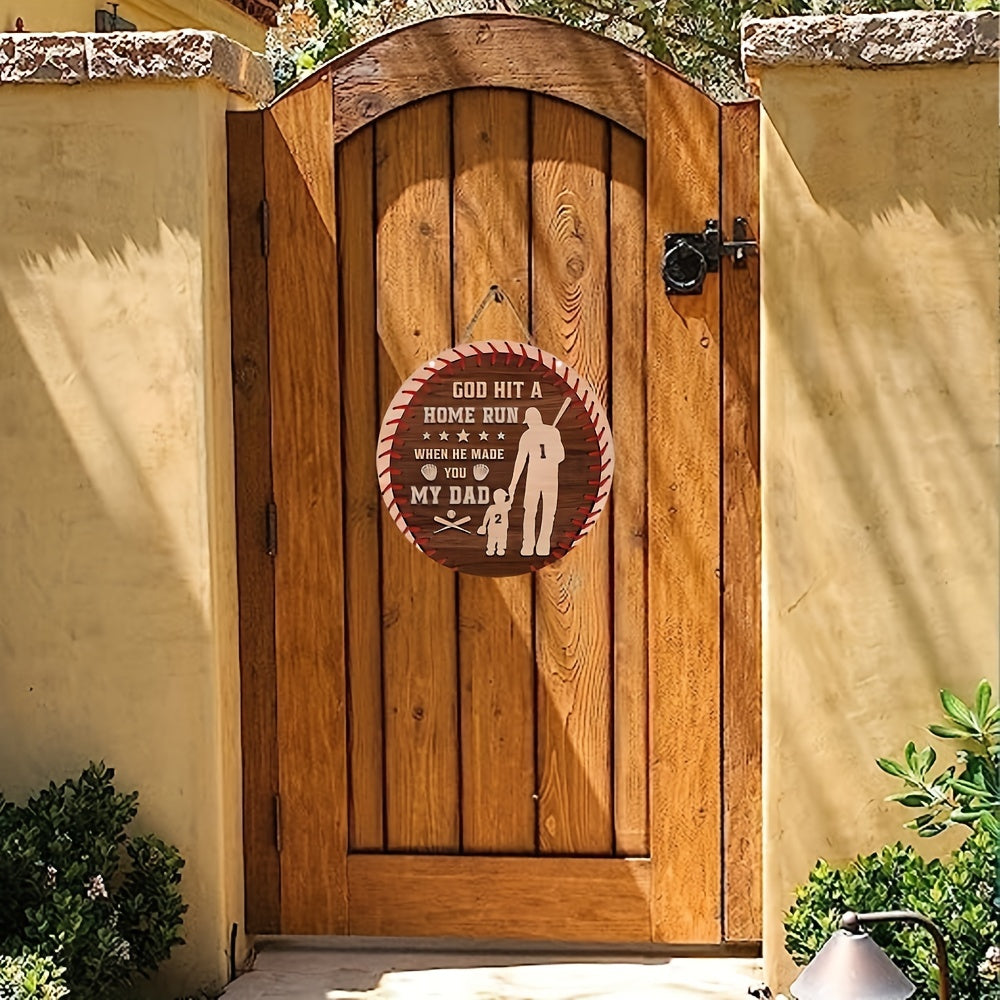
column 315, row 972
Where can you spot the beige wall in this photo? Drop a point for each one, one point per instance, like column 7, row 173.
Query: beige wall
column 146, row 15
column 118, row 631
column 879, row 428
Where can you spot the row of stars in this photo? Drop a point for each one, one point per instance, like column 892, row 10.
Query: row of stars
column 463, row 435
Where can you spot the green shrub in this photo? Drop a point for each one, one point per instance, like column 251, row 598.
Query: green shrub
column 956, row 894
column 961, row 895
column 30, row 976
column 75, row 886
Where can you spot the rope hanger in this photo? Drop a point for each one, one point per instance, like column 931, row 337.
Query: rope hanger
column 494, row 294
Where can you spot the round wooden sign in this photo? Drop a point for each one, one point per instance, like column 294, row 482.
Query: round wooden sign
column 495, row 458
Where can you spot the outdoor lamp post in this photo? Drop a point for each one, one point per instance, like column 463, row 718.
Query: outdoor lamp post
column 851, row 966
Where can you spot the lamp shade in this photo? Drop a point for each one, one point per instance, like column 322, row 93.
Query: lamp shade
column 851, row 967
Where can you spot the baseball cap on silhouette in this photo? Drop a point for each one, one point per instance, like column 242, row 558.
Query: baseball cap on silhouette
column 527, row 414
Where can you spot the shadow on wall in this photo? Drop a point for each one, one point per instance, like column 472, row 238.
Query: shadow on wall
column 96, row 601
column 880, row 292
column 107, row 623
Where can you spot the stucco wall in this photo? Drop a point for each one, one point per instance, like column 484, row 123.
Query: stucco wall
column 146, row 15
column 880, row 418
column 118, row 632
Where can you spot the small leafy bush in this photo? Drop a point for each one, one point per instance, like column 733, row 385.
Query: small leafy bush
column 961, row 895
column 30, row 976
column 76, row 887
column 968, row 791
column 956, row 894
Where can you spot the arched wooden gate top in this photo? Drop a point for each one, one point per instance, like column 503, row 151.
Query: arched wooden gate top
column 488, row 50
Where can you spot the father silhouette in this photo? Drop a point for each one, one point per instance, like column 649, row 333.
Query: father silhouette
column 541, row 450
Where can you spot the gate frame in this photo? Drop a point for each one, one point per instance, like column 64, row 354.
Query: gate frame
column 282, row 870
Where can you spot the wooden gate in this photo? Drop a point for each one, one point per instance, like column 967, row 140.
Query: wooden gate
column 567, row 755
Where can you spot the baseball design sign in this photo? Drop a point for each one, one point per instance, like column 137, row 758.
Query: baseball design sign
column 495, row 458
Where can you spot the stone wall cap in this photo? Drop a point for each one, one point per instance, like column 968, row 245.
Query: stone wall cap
column 77, row 57
column 868, row 41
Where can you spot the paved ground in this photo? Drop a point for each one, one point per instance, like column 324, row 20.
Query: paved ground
column 320, row 969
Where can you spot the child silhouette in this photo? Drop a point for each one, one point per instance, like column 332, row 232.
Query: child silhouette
column 494, row 525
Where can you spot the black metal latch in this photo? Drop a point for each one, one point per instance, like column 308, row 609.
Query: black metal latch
column 688, row 257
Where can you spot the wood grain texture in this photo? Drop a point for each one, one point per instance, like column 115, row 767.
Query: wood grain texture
column 555, row 899
column 496, row 654
column 491, row 211
column 494, row 50
column 683, row 359
column 362, row 507
column 628, row 339
column 741, row 609
column 572, row 605
column 309, row 569
column 419, row 643
column 600, row 706
column 255, row 568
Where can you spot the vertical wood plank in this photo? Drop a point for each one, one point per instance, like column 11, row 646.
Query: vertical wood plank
column 309, row 569
column 628, row 312
column 572, row 604
column 419, row 644
column 496, row 655
column 252, row 434
column 741, row 536
column 362, row 506
column 683, row 358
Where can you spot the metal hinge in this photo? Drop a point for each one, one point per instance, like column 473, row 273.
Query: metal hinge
column 265, row 227
column 277, row 822
column 271, row 528
column 688, row 257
